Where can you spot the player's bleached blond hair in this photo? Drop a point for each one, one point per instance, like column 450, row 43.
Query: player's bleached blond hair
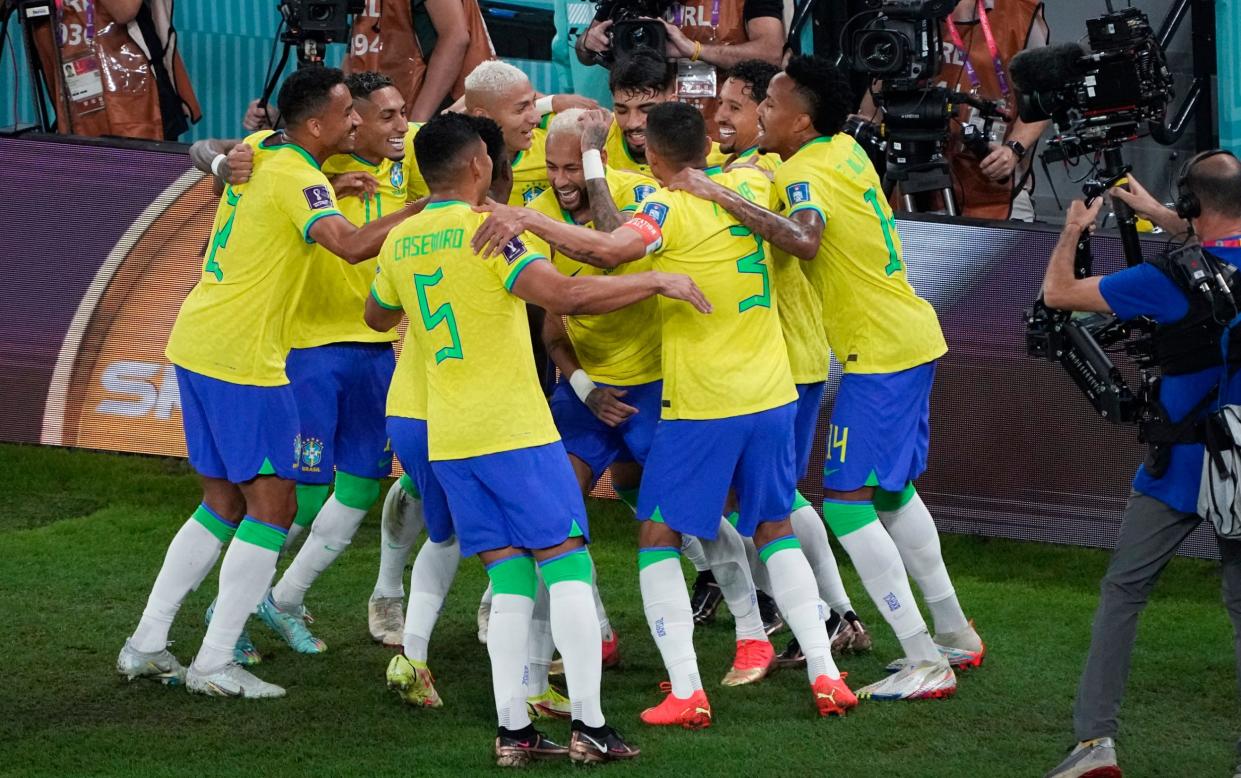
column 566, row 123
column 491, row 79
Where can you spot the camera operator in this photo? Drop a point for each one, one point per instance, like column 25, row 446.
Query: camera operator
column 1162, row 507
column 990, row 175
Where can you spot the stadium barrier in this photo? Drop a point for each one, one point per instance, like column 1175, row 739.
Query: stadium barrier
column 103, row 243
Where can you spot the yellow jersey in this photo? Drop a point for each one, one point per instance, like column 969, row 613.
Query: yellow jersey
column 236, row 324
column 415, row 185
column 731, row 361
column 621, row 158
column 530, row 167
column 483, row 395
column 874, row 320
column 334, row 295
column 751, row 156
column 621, row 347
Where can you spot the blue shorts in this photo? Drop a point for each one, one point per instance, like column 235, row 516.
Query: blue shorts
column 880, row 431
column 341, row 391
column 238, row 431
column 809, row 399
column 693, row 464
column 595, row 443
column 409, row 441
column 524, row 498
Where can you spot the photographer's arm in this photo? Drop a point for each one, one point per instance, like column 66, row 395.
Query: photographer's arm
column 592, row 45
column 452, row 42
column 764, row 40
column 1134, row 195
column 1061, row 289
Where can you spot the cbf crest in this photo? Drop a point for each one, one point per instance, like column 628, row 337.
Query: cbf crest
column 397, row 178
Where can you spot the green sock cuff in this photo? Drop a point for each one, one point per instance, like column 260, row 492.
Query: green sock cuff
column 407, row 483
column 223, row 530
column 629, row 497
column 779, row 544
column 894, row 501
column 310, row 499
column 650, row 556
column 261, row 534
column 570, row 566
column 357, row 493
column 733, row 518
column 514, row 575
column 800, row 501
column 845, row 517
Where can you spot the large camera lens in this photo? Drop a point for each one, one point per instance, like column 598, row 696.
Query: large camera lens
column 880, row 52
column 320, row 12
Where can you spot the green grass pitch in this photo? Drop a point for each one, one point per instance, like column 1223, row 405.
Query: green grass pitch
column 82, row 535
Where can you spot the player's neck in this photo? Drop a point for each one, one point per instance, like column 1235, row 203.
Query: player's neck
column 799, row 142
column 461, row 193
column 308, row 143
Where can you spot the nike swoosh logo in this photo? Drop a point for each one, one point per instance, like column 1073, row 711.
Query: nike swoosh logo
column 830, row 471
column 575, row 272
column 220, row 690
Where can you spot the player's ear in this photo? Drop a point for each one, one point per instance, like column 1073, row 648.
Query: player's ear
column 706, row 145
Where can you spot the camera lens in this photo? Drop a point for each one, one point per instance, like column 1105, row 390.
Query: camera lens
column 322, row 12
column 880, row 51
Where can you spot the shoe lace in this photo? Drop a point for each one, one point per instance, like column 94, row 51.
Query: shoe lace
column 750, row 653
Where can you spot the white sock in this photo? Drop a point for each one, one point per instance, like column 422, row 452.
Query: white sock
column 507, row 645
column 397, row 535
column 796, row 593
column 691, row 549
column 605, row 624
column 295, row 532
column 913, row 530
column 758, row 570
column 666, row 603
column 812, row 534
column 245, row 574
column 190, row 557
column 727, row 557
column 541, row 646
column 435, row 567
column 330, row 535
column 579, row 642
column 883, row 576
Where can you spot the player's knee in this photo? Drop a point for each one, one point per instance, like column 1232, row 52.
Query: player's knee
column 513, row 575
column 572, row 565
column 847, row 517
column 653, row 534
column 768, row 531
column 356, row 492
column 271, row 499
column 886, row 501
column 224, row 499
column 310, row 499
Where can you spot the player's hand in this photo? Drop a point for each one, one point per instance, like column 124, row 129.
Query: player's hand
column 678, row 44
column 1143, row 203
column 605, row 403
column 999, row 164
column 356, row 183
column 504, row 224
column 595, row 126
column 1082, row 217
column 256, row 117
column 597, row 38
column 240, row 164
column 676, row 286
column 695, row 182
column 561, row 103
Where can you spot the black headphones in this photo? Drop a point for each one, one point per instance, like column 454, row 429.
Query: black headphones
column 1187, row 205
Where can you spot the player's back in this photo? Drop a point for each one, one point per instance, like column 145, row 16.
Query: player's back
column 483, row 392
column 235, row 325
column 733, row 360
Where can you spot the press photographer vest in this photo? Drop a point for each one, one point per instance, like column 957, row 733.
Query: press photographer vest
column 694, row 19
column 1011, row 23
column 1193, row 343
column 386, row 37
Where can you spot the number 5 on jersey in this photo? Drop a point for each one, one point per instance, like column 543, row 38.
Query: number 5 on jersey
column 441, row 315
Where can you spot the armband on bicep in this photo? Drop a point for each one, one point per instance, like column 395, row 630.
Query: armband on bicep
column 648, row 229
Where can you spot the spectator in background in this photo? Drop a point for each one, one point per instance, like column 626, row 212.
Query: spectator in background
column 706, row 38
column 125, row 75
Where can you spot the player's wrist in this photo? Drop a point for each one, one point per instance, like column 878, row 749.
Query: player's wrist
column 581, row 384
column 592, row 164
column 545, row 104
column 219, row 166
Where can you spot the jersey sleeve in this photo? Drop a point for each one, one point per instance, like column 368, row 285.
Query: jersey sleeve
column 799, row 190
column 630, row 191
column 1144, row 290
column 655, row 220
column 517, row 255
column 383, row 287
column 305, row 197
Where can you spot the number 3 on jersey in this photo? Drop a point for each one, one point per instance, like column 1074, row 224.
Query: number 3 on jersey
column 754, row 262
column 441, row 315
column 220, row 239
column 888, row 223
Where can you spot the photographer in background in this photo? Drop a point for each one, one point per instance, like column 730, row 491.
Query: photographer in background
column 1162, row 508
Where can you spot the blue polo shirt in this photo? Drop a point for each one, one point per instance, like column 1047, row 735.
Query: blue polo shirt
column 1146, row 291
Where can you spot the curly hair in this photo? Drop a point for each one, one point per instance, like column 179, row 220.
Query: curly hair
column 825, row 90
column 306, row 92
column 640, row 71
column 362, row 85
column 756, row 74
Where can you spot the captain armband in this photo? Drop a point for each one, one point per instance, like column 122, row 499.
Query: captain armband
column 649, row 229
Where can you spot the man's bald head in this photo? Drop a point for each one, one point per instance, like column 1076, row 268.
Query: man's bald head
column 1216, row 182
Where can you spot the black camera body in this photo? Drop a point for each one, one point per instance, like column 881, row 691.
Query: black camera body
column 636, row 25
column 901, row 44
column 321, row 21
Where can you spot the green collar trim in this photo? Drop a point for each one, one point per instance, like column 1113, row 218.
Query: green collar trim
column 444, row 204
column 364, row 160
column 283, row 142
column 713, row 170
column 813, row 141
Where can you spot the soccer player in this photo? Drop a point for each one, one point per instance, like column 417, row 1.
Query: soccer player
column 229, row 345
column 729, row 404
column 887, row 338
column 801, row 319
column 468, row 322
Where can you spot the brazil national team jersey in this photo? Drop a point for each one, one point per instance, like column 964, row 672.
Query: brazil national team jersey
column 330, row 310
column 483, row 394
column 621, row 347
column 875, row 321
column 733, row 360
column 750, row 156
column 621, row 158
column 236, row 324
column 415, row 184
column 530, row 167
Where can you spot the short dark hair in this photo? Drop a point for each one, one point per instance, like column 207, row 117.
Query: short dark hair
column 755, row 74
column 1216, row 182
column 362, row 85
column 676, row 131
column 438, row 146
column 493, row 138
column 305, row 93
column 640, row 71
column 825, row 89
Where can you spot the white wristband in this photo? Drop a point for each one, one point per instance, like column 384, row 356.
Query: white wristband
column 215, row 165
column 581, row 383
column 544, row 104
column 592, row 164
